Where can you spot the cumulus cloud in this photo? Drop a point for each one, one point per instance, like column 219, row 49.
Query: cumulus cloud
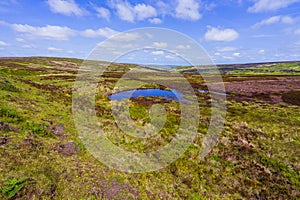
column 130, row 13
column 65, row 7
column 155, row 21
column 274, row 20
column 64, row 33
column 144, row 11
column 101, row 32
column 187, row 9
column 163, row 8
column 221, row 35
column 125, row 11
column 46, row 32
column 181, row 9
column 103, row 13
column 270, row 5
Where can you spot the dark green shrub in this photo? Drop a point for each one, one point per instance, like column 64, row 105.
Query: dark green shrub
column 7, row 86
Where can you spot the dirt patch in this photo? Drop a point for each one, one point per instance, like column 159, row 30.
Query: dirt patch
column 114, row 190
column 68, row 149
column 7, row 127
column 63, row 76
column 292, row 97
column 149, row 101
column 41, row 86
column 32, row 144
column 57, row 130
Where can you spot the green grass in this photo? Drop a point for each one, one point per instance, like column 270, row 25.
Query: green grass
column 10, row 115
column 7, row 86
column 12, row 187
column 276, row 69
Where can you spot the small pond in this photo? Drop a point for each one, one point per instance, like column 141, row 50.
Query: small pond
column 148, row 92
column 154, row 92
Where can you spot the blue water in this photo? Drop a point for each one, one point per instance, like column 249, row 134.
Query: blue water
column 154, row 92
column 151, row 92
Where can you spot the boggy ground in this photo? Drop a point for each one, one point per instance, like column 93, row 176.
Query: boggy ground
column 42, row 156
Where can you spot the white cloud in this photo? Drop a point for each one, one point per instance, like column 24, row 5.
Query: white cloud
column 262, row 51
column 271, row 20
column 155, row 21
column 158, row 53
column 46, row 32
column 263, row 36
column 28, row 46
column 20, row 40
column 4, row 23
column 125, row 12
column 130, row 13
column 103, row 13
column 150, row 36
column 225, row 35
column 143, row 11
column 65, row 7
column 160, row 44
column 101, row 32
column 170, row 57
column 183, row 47
column 274, row 20
column 270, row 5
column 3, row 43
column 237, row 54
column 54, row 49
column 226, row 49
column 187, row 9
column 228, row 57
column 210, row 6
column 163, row 7
column 126, row 37
column 287, row 19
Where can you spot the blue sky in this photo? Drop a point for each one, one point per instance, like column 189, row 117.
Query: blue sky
column 231, row 31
